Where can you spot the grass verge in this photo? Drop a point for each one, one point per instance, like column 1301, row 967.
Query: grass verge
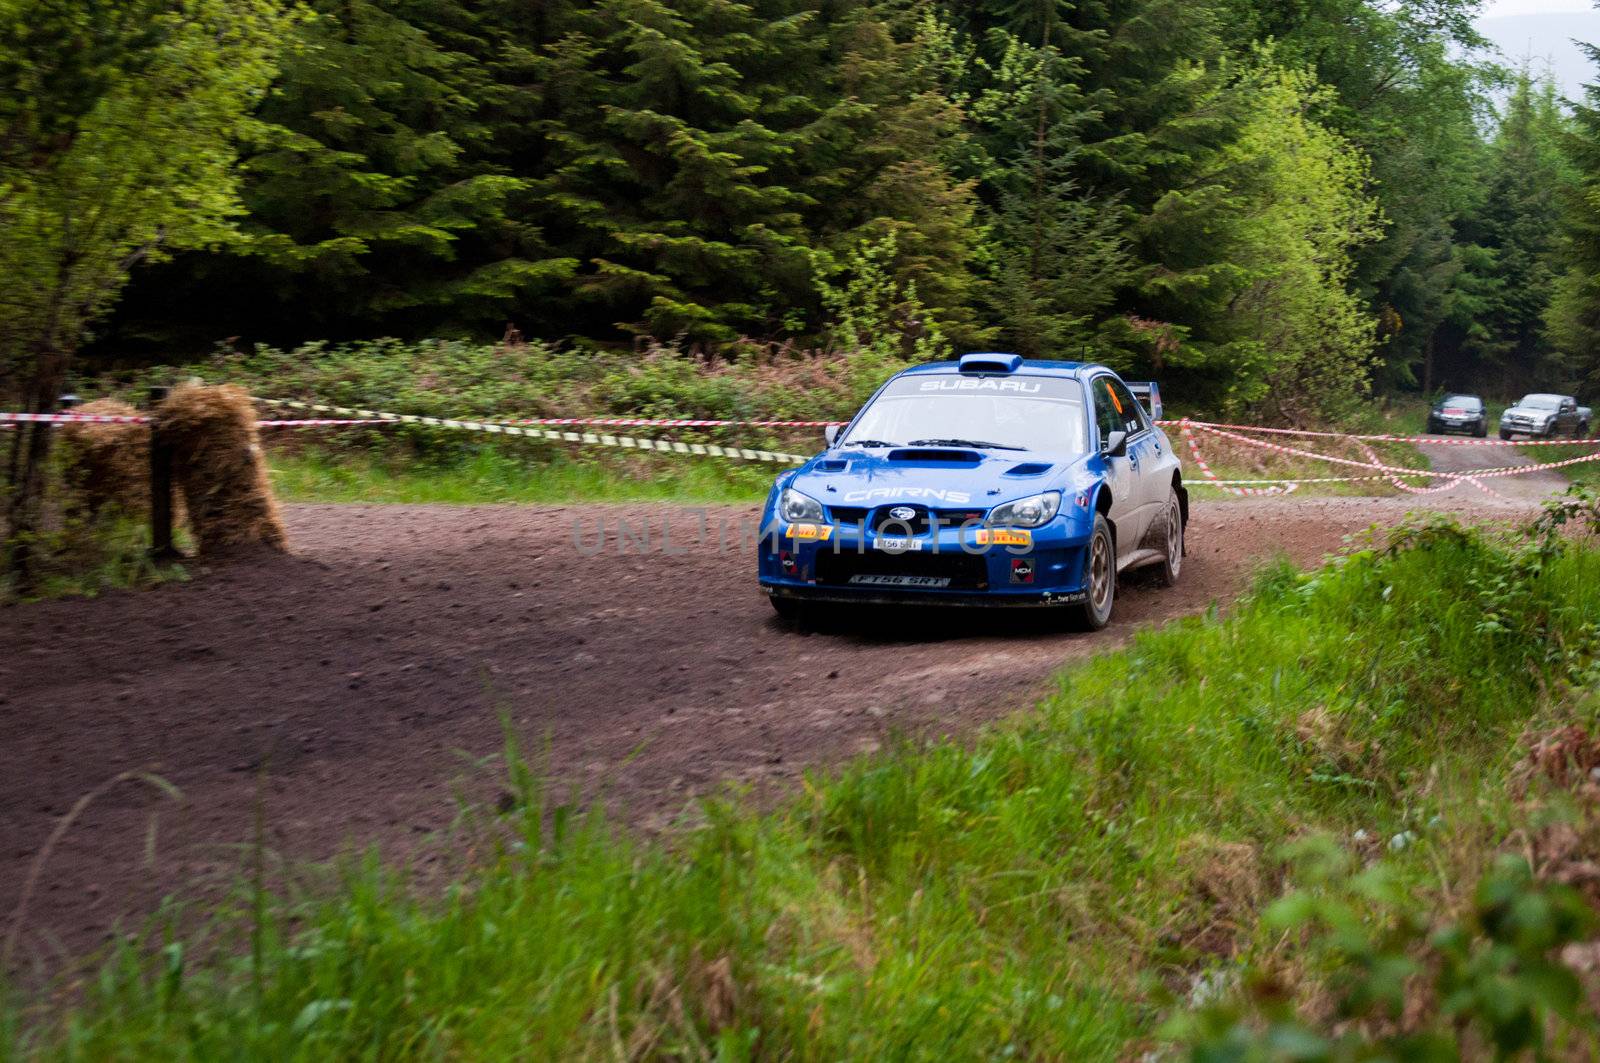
column 500, row 475
column 82, row 557
column 1041, row 890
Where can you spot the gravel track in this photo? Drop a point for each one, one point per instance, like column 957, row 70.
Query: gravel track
column 348, row 691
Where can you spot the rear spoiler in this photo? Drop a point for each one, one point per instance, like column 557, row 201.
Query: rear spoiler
column 1149, row 393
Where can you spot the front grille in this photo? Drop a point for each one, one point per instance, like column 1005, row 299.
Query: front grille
column 919, row 523
column 963, row 570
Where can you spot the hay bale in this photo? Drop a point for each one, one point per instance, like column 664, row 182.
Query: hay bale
column 218, row 467
column 107, row 466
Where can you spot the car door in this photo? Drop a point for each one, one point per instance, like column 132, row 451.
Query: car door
column 1122, row 472
column 1567, row 420
column 1148, row 452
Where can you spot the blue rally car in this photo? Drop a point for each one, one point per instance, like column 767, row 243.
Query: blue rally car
column 987, row 481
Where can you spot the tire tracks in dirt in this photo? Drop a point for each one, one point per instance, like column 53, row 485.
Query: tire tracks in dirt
column 346, row 691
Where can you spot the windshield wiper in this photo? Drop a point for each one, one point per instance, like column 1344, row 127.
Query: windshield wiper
column 978, row 444
column 867, row 443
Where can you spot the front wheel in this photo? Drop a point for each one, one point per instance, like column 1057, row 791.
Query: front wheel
column 792, row 614
column 1504, row 434
column 1099, row 579
column 1483, row 429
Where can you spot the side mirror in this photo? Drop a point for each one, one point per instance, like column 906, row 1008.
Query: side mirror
column 830, row 433
column 1115, row 444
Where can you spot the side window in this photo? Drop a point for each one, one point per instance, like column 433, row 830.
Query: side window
column 1133, row 420
column 1106, row 414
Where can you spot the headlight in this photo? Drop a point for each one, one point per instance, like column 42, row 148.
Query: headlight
column 794, row 506
column 1027, row 512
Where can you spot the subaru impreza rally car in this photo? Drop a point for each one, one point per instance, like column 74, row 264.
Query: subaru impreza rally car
column 986, row 481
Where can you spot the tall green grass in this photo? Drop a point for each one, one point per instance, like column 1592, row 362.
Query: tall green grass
column 1036, row 891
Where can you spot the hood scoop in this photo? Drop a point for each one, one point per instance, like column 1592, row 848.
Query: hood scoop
column 833, row 465
column 1028, row 468
column 965, row 457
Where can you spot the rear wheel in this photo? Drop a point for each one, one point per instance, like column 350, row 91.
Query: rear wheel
column 1172, row 542
column 1099, row 579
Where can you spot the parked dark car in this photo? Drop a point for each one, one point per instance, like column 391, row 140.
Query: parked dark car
column 1547, row 416
column 1459, row 413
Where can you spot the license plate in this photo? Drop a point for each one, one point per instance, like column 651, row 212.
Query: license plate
column 897, row 544
column 900, row 581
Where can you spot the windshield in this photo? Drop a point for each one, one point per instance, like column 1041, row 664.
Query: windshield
column 1008, row 413
column 1541, row 402
column 1461, row 402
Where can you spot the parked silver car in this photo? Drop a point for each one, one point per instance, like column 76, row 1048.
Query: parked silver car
column 1546, row 416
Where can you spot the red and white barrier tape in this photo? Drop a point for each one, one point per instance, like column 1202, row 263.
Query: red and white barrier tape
column 100, row 418
column 1390, row 473
column 322, row 422
column 1429, row 440
column 70, row 418
column 669, row 446
column 1471, row 477
column 671, row 422
column 1211, row 477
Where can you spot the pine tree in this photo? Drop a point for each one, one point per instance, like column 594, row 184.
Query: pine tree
column 1574, row 314
column 672, row 163
column 1517, row 225
column 1147, row 79
column 372, row 207
column 1059, row 253
column 884, row 167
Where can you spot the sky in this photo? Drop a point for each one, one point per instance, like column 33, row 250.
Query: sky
column 1505, row 8
column 1543, row 30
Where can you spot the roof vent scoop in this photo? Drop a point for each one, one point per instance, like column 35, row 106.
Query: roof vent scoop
column 990, row 363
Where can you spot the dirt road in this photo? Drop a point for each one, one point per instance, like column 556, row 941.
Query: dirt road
column 346, row 689
column 1523, row 488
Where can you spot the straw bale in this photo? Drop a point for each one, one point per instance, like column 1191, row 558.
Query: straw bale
column 218, row 468
column 107, row 465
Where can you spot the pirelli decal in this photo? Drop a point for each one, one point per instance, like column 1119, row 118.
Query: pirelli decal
column 1004, row 537
column 819, row 532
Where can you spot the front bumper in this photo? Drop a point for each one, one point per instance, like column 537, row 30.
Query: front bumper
column 948, row 566
column 1445, row 425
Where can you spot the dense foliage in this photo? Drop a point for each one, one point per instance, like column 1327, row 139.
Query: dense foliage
column 1574, row 314
column 1270, row 203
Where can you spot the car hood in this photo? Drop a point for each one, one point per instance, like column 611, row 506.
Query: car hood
column 936, row 476
column 1529, row 411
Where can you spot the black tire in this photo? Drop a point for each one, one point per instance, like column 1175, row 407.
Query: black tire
column 1171, row 566
column 1583, row 431
column 1483, row 429
column 1099, row 578
column 1504, row 434
column 792, row 614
